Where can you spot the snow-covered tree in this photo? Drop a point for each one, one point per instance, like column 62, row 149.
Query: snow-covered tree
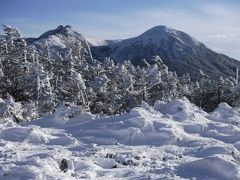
column 41, row 80
column 14, row 64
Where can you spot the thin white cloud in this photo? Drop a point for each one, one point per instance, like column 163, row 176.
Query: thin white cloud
column 222, row 36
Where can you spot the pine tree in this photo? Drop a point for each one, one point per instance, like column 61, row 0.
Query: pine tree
column 14, row 64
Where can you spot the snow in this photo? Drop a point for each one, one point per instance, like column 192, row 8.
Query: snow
column 175, row 45
column 159, row 34
column 93, row 41
column 174, row 140
column 60, row 40
column 164, row 32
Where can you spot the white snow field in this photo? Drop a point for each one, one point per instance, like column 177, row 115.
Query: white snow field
column 173, row 140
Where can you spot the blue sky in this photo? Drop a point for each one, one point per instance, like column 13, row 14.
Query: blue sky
column 214, row 22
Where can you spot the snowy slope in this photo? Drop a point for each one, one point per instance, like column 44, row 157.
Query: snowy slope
column 161, row 37
column 170, row 141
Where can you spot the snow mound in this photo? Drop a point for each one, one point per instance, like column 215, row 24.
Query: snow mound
column 226, row 113
column 174, row 140
column 180, row 109
column 174, row 106
column 208, row 168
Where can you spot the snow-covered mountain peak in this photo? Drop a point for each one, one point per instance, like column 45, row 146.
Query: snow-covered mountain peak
column 161, row 32
column 61, row 31
column 60, row 27
column 69, row 34
column 156, row 30
column 160, row 40
column 61, row 39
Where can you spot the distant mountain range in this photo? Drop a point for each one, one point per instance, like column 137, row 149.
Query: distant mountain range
column 179, row 51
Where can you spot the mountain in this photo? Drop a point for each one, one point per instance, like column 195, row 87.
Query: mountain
column 179, row 51
column 60, row 40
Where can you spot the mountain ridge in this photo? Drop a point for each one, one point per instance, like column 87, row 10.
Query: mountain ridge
column 178, row 50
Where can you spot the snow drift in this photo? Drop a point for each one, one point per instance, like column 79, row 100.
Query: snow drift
column 173, row 140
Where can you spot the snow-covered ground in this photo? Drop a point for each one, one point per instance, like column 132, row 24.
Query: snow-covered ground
column 170, row 141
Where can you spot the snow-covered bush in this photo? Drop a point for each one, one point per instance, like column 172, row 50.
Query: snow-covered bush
column 65, row 111
column 30, row 111
column 10, row 110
